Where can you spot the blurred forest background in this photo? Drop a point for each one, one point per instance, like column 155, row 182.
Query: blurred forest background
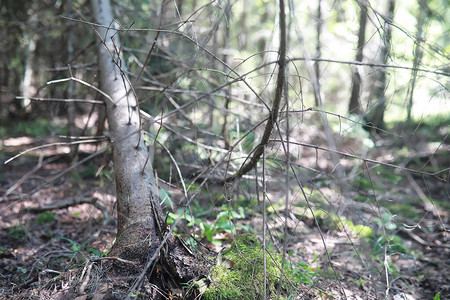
column 353, row 185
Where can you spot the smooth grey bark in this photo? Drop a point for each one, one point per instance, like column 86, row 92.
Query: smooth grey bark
column 135, row 184
column 141, row 228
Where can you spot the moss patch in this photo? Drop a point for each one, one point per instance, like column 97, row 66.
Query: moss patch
column 239, row 274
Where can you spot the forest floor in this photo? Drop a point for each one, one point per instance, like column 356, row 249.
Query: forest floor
column 51, row 226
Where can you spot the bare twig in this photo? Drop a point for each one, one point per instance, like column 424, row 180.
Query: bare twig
column 358, row 63
column 364, row 159
column 29, row 174
column 83, row 83
column 118, row 259
column 59, row 175
column 276, row 102
column 62, row 100
column 50, row 145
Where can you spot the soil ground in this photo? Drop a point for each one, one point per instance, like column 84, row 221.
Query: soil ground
column 43, row 251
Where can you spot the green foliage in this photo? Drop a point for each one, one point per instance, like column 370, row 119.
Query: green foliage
column 105, row 176
column 329, row 220
column 247, row 143
column 384, row 175
column 223, row 222
column 165, row 197
column 406, row 210
column 17, row 234
column 364, row 183
column 361, row 283
column 305, row 273
column 437, row 297
column 386, row 221
column 390, row 176
column 363, row 199
column 45, row 217
column 89, row 171
column 94, row 251
column 74, row 245
column 387, row 237
column 79, row 252
column 394, row 244
column 245, row 279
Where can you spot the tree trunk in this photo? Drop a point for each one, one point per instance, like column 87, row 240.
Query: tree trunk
column 355, row 103
column 28, row 85
column 318, row 48
column 140, row 227
column 375, row 116
column 418, row 53
column 71, row 85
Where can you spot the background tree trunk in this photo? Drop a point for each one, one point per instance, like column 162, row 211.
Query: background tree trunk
column 28, row 85
column 71, row 109
column 375, row 116
column 355, row 103
column 418, row 53
column 318, row 46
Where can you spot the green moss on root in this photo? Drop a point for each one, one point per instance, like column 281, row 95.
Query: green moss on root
column 245, row 279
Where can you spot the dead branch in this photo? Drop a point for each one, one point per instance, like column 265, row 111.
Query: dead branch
column 276, row 102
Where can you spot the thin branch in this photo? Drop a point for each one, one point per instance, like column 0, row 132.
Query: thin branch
column 49, row 145
column 373, row 161
column 358, row 63
column 69, row 169
column 61, row 100
column 118, row 259
column 192, row 40
column 83, row 83
column 276, row 102
column 153, row 44
column 29, row 174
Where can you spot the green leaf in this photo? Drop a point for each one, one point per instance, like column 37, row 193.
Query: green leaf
column 94, row 251
column 165, row 197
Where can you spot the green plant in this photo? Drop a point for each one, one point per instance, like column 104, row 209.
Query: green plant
column 17, row 234
column 239, row 272
column 364, row 183
column 304, row 273
column 105, row 176
column 165, row 197
column 393, row 242
column 45, row 217
column 386, row 221
column 361, row 283
column 220, row 224
column 89, row 171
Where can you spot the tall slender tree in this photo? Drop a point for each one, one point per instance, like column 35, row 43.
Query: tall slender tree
column 142, row 237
